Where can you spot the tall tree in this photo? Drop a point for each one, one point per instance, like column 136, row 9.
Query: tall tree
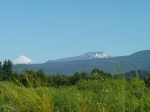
column 1, row 71
column 7, row 68
column 40, row 73
column 1, row 68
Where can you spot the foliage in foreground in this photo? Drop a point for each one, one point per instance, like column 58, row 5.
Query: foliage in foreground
column 105, row 95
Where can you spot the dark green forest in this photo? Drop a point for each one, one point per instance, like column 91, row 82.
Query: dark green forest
column 56, row 80
column 6, row 74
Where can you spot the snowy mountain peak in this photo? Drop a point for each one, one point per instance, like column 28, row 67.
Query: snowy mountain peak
column 86, row 56
column 92, row 55
column 22, row 60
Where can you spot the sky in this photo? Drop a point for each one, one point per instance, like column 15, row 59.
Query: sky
column 51, row 29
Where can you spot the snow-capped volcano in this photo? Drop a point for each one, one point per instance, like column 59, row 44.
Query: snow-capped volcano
column 86, row 56
column 22, row 60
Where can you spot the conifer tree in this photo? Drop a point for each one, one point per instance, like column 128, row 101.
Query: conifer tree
column 7, row 69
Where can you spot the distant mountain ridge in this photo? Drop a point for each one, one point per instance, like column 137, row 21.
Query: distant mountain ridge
column 141, row 53
column 85, row 56
column 139, row 61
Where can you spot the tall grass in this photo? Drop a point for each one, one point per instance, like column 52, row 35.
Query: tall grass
column 21, row 99
column 105, row 95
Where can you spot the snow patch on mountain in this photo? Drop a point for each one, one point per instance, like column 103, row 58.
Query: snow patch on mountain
column 85, row 56
column 93, row 55
column 22, row 60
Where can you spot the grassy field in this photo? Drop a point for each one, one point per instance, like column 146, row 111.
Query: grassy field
column 106, row 95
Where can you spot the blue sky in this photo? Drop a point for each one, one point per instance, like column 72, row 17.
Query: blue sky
column 52, row 29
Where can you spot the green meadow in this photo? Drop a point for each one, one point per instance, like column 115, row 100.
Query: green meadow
column 109, row 95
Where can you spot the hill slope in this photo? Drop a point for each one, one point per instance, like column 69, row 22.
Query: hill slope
column 85, row 56
column 139, row 60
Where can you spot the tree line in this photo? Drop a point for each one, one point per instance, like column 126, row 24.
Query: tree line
column 37, row 78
